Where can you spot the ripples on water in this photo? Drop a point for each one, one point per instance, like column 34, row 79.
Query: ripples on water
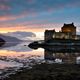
column 14, row 57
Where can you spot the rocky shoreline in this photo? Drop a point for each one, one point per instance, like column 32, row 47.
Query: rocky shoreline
column 2, row 42
column 46, row 71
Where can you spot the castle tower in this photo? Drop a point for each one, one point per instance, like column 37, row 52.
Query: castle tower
column 48, row 34
column 69, row 28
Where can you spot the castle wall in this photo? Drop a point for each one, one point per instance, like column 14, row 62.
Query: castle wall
column 48, row 34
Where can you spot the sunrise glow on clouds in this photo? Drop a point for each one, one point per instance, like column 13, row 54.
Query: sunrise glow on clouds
column 37, row 15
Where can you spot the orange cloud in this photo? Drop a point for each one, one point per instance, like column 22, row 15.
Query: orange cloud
column 27, row 28
column 10, row 17
column 14, row 29
column 4, row 18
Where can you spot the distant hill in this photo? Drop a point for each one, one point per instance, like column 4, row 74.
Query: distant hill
column 28, row 36
column 9, row 38
column 10, row 41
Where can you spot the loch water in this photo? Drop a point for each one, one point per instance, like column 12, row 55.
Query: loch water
column 14, row 57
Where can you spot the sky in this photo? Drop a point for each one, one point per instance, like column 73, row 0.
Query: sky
column 38, row 15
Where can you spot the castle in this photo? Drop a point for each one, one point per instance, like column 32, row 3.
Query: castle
column 68, row 31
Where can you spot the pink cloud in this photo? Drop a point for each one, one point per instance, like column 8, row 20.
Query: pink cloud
column 9, row 16
column 28, row 26
column 4, row 7
column 31, row 1
column 5, row 18
column 5, row 0
column 12, row 17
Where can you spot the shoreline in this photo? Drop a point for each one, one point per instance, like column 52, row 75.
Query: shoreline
column 46, row 71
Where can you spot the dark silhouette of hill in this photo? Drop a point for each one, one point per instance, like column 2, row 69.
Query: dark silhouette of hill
column 2, row 42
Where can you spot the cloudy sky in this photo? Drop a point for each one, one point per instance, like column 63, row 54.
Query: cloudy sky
column 37, row 15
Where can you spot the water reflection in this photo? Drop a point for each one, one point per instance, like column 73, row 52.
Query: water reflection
column 16, row 46
column 62, row 57
column 14, row 57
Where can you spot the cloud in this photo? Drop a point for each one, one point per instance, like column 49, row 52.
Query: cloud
column 4, row 7
column 12, row 17
column 29, row 25
column 35, row 6
column 29, row 14
column 5, row 18
column 15, row 9
column 21, row 35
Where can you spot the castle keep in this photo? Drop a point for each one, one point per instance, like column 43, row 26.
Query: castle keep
column 68, row 31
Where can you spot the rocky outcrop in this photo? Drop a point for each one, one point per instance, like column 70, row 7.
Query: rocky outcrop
column 2, row 42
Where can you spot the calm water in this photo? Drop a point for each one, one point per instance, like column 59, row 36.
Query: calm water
column 20, row 55
column 12, row 58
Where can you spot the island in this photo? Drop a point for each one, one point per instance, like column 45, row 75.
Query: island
column 66, row 39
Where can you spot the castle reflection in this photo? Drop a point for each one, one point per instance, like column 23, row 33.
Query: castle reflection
column 61, row 57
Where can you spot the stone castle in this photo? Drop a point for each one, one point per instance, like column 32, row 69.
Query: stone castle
column 68, row 31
